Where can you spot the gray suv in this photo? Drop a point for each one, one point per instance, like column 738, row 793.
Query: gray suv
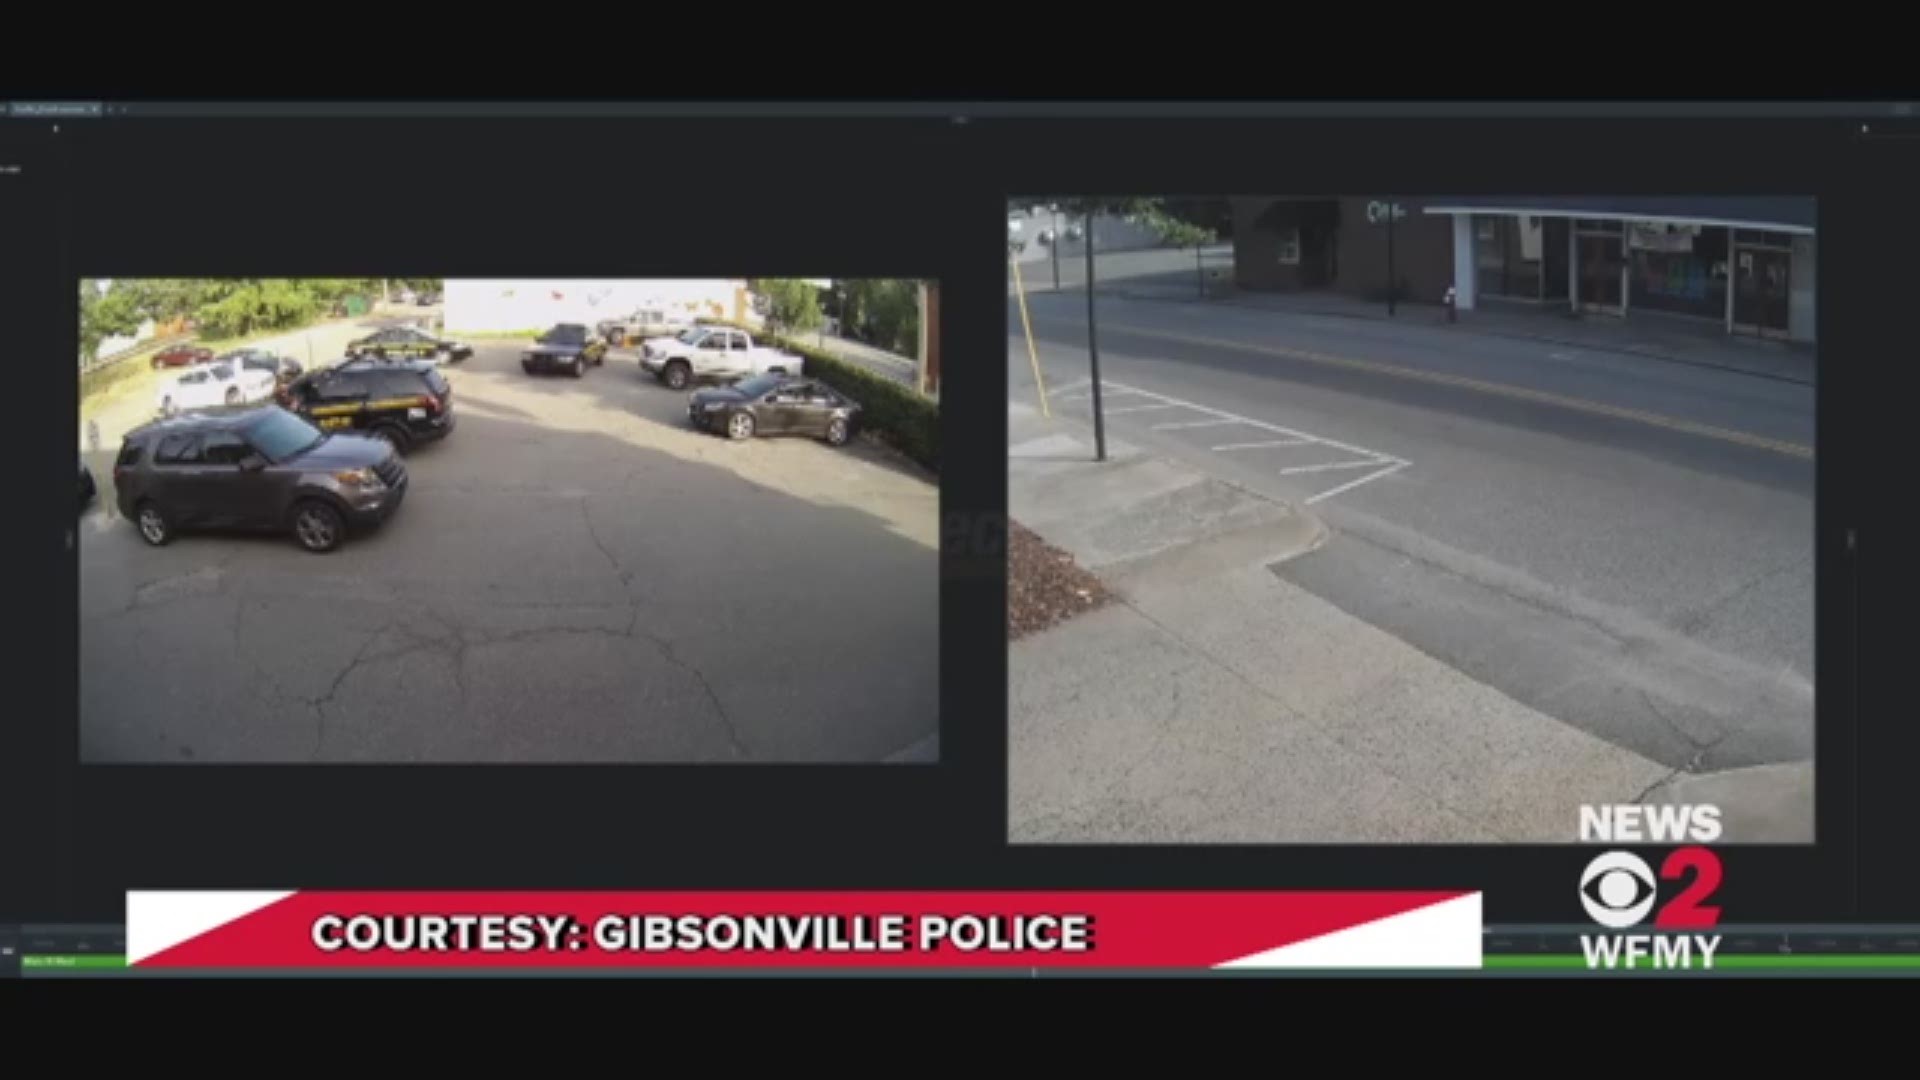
column 259, row 468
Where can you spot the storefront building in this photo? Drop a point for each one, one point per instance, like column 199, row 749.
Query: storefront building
column 1746, row 264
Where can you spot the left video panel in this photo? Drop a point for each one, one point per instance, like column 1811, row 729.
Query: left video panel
column 504, row 521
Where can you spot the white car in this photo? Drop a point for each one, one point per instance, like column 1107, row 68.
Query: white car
column 713, row 354
column 213, row 385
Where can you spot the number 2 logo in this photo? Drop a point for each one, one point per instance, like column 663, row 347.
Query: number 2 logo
column 1619, row 891
column 1690, row 909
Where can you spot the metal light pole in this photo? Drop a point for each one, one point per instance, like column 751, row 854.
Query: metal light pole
column 1200, row 269
column 1093, row 356
column 1392, row 280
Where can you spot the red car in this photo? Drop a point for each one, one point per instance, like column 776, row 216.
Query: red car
column 182, row 356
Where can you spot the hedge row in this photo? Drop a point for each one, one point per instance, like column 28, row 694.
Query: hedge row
column 896, row 412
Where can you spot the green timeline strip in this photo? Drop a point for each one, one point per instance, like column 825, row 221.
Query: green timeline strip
column 87, row 961
column 1748, row 962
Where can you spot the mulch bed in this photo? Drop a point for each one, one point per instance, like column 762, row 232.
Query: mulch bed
column 1045, row 587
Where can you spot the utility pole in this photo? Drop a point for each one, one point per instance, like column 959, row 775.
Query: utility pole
column 1392, row 278
column 1093, row 354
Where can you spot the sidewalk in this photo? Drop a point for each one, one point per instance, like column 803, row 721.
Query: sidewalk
column 1651, row 335
column 1218, row 703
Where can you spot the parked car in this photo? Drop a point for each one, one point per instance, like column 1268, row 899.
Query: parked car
column 182, row 356
column 87, row 488
column 713, row 354
column 1047, row 235
column 427, row 299
column 284, row 369
column 1076, row 232
column 409, row 343
column 568, row 347
column 775, row 405
column 643, row 324
column 214, row 385
column 404, row 402
column 264, row 469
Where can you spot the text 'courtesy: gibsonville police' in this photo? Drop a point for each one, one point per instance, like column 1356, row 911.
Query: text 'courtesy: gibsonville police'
column 664, row 933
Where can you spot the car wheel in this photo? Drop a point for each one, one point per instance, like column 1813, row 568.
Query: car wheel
column 836, row 432
column 677, row 376
column 579, row 366
column 740, row 425
column 233, row 395
column 317, row 526
column 154, row 527
column 392, row 436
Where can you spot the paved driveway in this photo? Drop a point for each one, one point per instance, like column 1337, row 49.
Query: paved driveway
column 576, row 576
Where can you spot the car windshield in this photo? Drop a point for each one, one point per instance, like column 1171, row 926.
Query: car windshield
column 282, row 436
column 691, row 336
column 223, row 372
column 567, row 334
column 757, row 385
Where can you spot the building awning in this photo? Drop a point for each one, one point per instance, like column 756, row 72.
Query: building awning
column 1783, row 214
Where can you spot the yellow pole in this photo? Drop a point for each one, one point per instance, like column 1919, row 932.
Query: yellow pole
column 1026, row 322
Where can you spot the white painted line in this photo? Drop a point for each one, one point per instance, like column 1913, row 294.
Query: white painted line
column 1333, row 465
column 1263, row 445
column 1107, row 390
column 1141, row 408
column 1351, row 484
column 1180, row 424
column 1261, row 424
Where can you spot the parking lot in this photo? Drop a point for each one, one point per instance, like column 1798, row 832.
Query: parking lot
column 576, row 576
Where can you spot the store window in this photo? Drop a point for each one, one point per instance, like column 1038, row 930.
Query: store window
column 1507, row 255
column 1680, row 269
column 1290, row 247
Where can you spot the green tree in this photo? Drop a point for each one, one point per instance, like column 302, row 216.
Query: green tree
column 105, row 313
column 884, row 312
column 793, row 304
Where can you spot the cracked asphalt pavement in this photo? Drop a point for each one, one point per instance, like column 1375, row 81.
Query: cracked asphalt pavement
column 576, row 576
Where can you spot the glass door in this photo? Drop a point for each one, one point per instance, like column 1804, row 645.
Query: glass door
column 1760, row 297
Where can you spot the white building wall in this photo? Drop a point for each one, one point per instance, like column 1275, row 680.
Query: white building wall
column 1800, row 290
column 1466, row 283
column 502, row 304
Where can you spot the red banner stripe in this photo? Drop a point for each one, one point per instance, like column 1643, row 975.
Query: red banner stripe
column 758, row 930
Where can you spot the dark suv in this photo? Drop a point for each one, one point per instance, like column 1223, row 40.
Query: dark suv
column 405, row 402
column 261, row 468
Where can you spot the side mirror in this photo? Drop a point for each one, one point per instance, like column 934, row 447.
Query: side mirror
column 252, row 463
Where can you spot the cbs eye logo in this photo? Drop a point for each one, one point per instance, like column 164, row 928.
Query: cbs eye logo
column 1619, row 890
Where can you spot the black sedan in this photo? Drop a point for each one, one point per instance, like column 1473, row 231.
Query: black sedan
column 568, row 347
column 87, row 488
column 775, row 405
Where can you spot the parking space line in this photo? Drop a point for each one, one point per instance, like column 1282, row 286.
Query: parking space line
column 1332, row 465
column 1263, row 445
column 1351, row 484
column 1181, row 425
column 1383, row 464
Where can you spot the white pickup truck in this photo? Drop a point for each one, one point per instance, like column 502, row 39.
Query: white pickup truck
column 643, row 324
column 713, row 354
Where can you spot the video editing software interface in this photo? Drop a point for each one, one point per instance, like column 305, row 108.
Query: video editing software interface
column 1016, row 537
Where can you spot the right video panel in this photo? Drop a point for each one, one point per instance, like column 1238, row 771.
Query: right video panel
column 1396, row 519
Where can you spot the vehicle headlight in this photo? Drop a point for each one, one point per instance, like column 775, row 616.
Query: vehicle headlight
column 714, row 406
column 358, row 478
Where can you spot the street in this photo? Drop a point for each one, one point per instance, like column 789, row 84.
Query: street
column 576, row 576
column 1622, row 543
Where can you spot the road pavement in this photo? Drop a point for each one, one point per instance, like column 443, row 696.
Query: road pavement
column 575, row 577
column 1618, row 542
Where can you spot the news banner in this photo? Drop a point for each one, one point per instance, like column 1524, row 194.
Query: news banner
column 1651, row 897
